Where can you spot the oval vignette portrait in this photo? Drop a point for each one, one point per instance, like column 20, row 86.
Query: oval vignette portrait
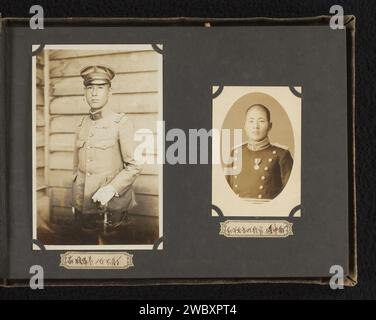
column 259, row 167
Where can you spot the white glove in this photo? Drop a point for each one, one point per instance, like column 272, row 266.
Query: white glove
column 104, row 194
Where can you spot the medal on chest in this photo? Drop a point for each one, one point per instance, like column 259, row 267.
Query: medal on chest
column 257, row 162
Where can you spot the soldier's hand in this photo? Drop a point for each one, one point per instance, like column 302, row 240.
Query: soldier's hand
column 104, row 194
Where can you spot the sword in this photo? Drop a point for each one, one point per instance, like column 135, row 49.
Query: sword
column 105, row 219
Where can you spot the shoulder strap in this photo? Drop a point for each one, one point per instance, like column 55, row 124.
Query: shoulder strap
column 240, row 145
column 81, row 121
column 280, row 146
column 119, row 116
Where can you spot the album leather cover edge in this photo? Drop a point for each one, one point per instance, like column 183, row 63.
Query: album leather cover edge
column 351, row 279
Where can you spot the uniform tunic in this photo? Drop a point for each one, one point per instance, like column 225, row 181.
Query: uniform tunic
column 103, row 155
column 264, row 173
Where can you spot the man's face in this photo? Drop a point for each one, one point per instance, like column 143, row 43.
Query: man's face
column 97, row 95
column 256, row 124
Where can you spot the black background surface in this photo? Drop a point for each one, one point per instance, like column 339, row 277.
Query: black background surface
column 365, row 11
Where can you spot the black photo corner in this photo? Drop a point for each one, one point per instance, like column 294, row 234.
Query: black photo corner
column 95, row 204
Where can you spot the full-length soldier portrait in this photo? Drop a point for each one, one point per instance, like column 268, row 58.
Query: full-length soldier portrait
column 265, row 167
column 92, row 188
column 104, row 169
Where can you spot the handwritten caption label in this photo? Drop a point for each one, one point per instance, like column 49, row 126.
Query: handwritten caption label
column 96, row 260
column 256, row 229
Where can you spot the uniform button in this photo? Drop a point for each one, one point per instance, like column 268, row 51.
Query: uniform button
column 270, row 159
column 91, row 134
column 236, row 186
column 235, row 167
column 88, row 173
column 88, row 147
column 262, row 177
column 261, row 187
column 266, row 168
column 235, row 158
column 235, row 177
column 274, row 152
column 259, row 196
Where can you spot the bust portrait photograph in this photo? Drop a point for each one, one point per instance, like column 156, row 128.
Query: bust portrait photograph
column 259, row 173
column 89, row 190
column 265, row 167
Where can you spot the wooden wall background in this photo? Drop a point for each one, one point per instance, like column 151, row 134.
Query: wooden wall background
column 135, row 92
column 43, row 200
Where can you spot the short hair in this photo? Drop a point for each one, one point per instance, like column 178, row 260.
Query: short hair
column 267, row 111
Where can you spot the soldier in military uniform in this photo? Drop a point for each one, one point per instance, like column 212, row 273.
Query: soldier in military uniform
column 104, row 169
column 263, row 168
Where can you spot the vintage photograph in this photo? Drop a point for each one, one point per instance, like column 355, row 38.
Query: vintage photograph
column 89, row 189
column 259, row 173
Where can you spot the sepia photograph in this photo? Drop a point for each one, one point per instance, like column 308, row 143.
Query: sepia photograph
column 89, row 189
column 259, row 173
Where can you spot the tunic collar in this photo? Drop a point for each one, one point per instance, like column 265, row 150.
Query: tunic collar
column 96, row 115
column 258, row 145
